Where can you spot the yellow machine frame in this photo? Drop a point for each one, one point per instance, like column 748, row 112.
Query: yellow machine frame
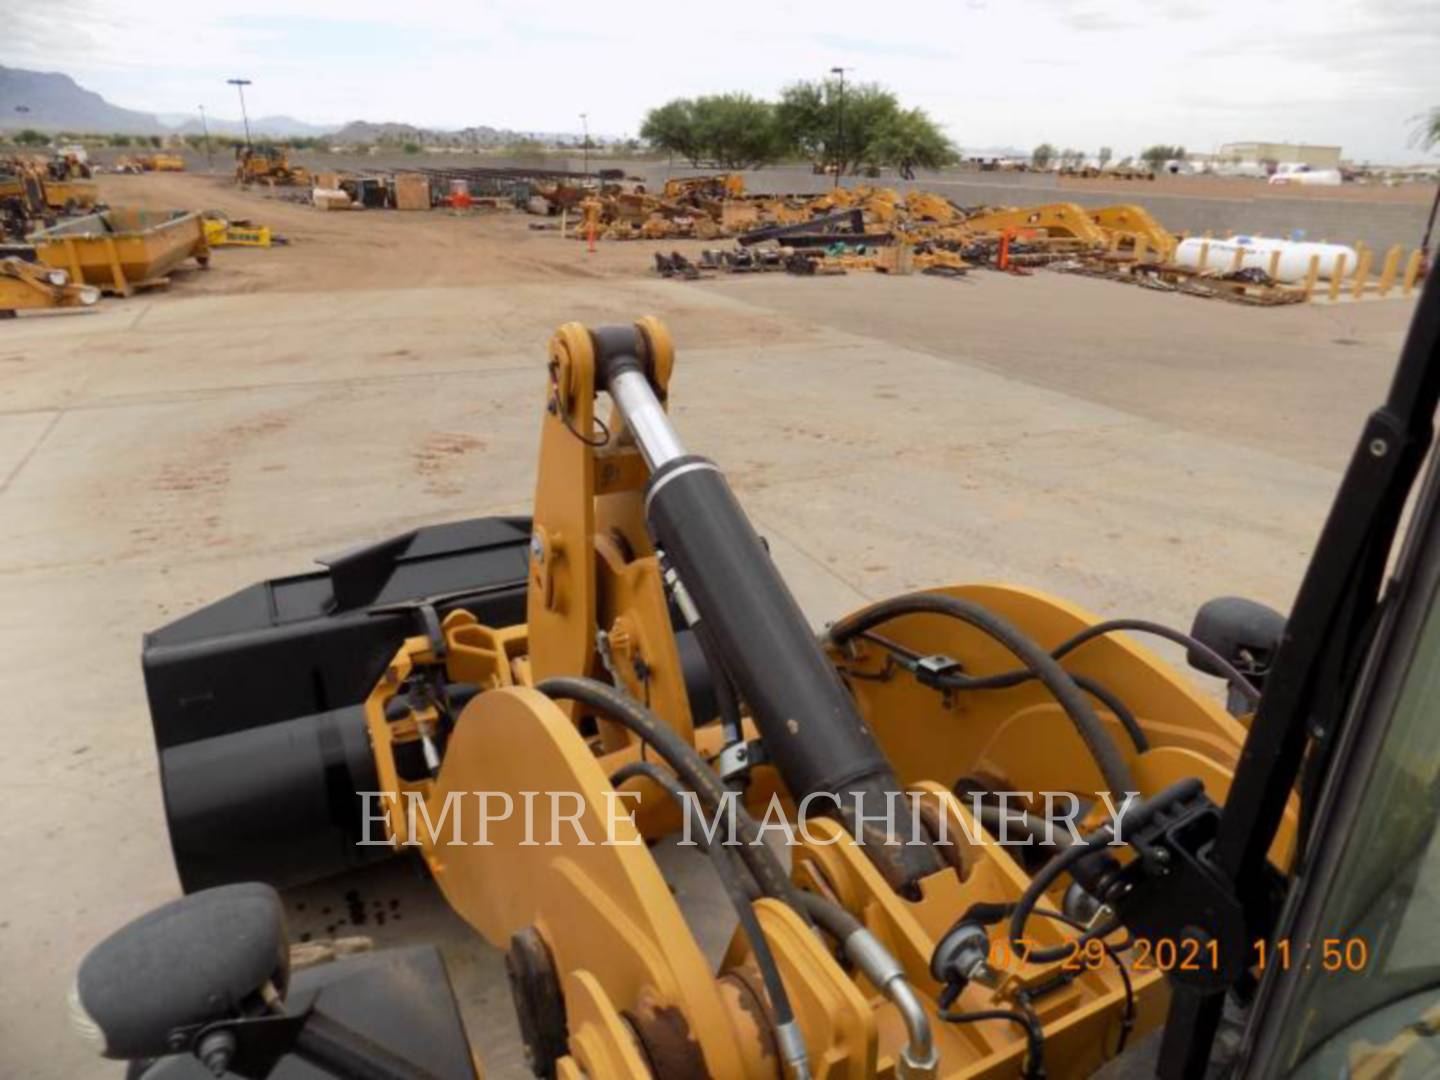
column 25, row 286
column 1056, row 220
column 1133, row 228
column 618, row 938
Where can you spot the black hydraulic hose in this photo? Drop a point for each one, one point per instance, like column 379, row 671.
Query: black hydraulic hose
column 1137, row 817
column 1127, row 1018
column 1003, row 679
column 1034, row 1035
column 735, row 888
column 998, row 821
column 1122, row 712
column 690, row 767
column 1045, row 667
column 824, row 913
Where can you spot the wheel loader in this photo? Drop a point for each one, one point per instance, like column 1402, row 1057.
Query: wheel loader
column 267, row 164
column 969, row 831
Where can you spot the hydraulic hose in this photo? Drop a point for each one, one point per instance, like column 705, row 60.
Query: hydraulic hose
column 1034, row 1036
column 862, row 947
column 909, row 657
column 999, row 822
column 1003, row 679
column 1045, row 667
column 690, row 767
column 786, row 1029
column 1137, row 817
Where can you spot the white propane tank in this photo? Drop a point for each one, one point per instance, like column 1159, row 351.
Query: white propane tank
column 1294, row 261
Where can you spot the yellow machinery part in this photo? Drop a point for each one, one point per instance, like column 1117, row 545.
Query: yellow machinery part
column 1058, row 220
column 723, row 185
column 1128, row 222
column 616, row 935
column 162, row 163
column 26, row 286
column 222, row 233
column 927, row 206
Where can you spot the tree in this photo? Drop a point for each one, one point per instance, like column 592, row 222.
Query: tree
column 826, row 124
column 411, row 147
column 524, row 146
column 1104, row 156
column 737, row 131
column 1042, row 155
column 1156, row 156
column 31, row 137
column 672, row 127
column 119, row 140
column 1427, row 130
column 911, row 141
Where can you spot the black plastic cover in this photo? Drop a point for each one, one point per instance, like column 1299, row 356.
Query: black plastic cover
column 195, row 960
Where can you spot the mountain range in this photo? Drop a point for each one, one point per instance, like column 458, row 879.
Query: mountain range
column 50, row 101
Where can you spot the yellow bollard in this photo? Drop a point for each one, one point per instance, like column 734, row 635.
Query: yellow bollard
column 1337, row 276
column 1389, row 270
column 1311, row 277
column 1204, row 253
column 1362, row 275
column 1141, row 248
column 1239, row 259
column 1412, row 271
column 1274, row 264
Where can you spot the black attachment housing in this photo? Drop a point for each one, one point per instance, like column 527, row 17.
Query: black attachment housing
column 1172, row 892
column 256, row 699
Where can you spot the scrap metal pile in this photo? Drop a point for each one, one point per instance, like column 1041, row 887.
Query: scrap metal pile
column 880, row 229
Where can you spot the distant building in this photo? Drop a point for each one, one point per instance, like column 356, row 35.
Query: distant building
column 1317, row 157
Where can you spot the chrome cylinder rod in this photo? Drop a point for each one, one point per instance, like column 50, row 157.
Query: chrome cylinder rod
column 646, row 417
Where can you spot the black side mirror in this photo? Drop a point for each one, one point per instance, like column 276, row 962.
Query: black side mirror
column 1242, row 631
column 214, row 955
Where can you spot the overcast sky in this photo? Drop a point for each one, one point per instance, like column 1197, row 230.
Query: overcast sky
column 1080, row 73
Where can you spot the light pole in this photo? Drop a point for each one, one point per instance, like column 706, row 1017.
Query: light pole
column 240, row 85
column 585, row 124
column 839, row 125
column 205, row 129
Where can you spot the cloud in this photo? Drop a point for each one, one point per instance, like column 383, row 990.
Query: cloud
column 1182, row 71
column 1093, row 21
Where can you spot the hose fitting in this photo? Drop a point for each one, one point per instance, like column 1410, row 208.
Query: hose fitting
column 791, row 1044
column 919, row 1058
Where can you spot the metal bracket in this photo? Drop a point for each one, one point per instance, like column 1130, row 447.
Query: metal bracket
column 737, row 759
column 929, row 670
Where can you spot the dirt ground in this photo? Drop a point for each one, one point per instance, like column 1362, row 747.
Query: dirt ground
column 1135, row 452
column 370, row 249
